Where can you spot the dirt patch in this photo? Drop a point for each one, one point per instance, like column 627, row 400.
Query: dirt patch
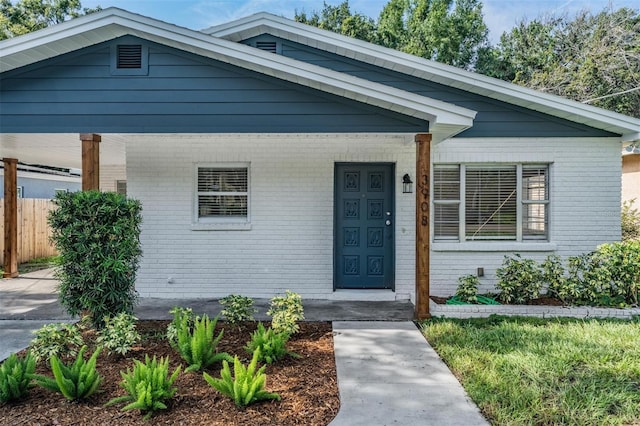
column 308, row 386
column 542, row 301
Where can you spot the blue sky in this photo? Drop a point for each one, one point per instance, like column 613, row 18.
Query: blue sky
column 500, row 15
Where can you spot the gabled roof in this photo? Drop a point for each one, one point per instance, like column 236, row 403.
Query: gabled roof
column 444, row 119
column 266, row 23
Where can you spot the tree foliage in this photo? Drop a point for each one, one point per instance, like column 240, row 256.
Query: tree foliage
column 592, row 58
column 26, row 16
column 448, row 31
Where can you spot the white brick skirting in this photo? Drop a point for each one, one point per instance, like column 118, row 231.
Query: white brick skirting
column 483, row 311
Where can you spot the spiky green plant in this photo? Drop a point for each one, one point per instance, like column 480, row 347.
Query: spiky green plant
column 16, row 375
column 246, row 386
column 148, row 386
column 198, row 346
column 78, row 381
column 272, row 345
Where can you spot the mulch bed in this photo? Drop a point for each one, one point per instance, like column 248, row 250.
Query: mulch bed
column 542, row 300
column 308, row 386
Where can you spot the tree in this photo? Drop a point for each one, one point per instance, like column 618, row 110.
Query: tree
column 590, row 58
column 26, row 16
column 448, row 31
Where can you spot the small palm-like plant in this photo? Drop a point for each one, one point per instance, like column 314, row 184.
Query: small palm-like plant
column 198, row 346
column 148, row 386
column 272, row 345
column 246, row 386
column 78, row 381
column 16, row 375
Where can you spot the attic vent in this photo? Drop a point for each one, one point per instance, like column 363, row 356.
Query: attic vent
column 129, row 56
column 267, row 46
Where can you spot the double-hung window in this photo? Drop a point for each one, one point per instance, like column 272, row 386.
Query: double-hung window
column 491, row 202
column 222, row 194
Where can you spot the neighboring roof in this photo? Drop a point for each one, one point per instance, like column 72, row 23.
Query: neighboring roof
column 266, row 23
column 445, row 119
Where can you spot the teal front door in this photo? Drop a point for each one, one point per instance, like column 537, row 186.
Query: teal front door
column 364, row 224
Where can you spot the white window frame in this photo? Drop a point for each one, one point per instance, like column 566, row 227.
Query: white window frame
column 461, row 238
column 221, row 223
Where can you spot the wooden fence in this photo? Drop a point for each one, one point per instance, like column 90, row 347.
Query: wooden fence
column 33, row 230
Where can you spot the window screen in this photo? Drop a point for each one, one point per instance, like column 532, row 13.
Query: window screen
column 223, row 192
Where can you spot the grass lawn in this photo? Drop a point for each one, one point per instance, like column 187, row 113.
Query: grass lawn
column 544, row 372
column 35, row 264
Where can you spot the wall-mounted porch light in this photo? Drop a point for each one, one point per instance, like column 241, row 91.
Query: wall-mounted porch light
column 407, row 184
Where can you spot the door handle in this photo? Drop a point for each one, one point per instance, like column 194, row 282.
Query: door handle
column 387, row 222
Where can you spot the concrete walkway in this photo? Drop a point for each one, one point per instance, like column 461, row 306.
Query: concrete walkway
column 387, row 372
column 389, row 375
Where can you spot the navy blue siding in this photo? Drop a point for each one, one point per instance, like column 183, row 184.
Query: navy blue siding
column 494, row 118
column 182, row 92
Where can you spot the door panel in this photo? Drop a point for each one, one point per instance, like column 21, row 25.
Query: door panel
column 364, row 226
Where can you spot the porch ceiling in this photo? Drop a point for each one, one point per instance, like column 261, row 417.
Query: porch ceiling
column 59, row 149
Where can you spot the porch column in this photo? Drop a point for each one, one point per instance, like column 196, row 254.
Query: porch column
column 423, row 178
column 10, row 217
column 90, row 161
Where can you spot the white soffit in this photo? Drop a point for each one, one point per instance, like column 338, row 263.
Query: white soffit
column 557, row 106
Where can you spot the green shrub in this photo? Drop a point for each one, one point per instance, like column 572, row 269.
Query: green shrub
column 519, row 280
column 467, row 290
column 78, row 381
column 630, row 221
column 237, row 308
column 16, row 375
column 119, row 333
column 178, row 315
column 97, row 235
column 56, row 340
column 197, row 346
column 285, row 312
column 558, row 285
column 246, row 386
column 272, row 346
column 148, row 386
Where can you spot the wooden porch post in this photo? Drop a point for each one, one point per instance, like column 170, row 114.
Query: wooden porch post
column 90, row 161
column 10, row 217
column 423, row 202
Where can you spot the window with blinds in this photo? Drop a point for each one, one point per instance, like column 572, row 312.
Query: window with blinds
column 505, row 202
column 223, row 193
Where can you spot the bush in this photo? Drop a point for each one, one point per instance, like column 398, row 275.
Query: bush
column 272, row 346
column 467, row 290
column 148, row 386
column 119, row 333
column 16, row 375
column 519, row 280
column 197, row 346
column 237, row 308
column 56, row 340
column 97, row 235
column 630, row 221
column 285, row 312
column 79, row 381
column 247, row 385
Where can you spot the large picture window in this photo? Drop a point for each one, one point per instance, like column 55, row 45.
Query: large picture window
column 498, row 202
column 223, row 194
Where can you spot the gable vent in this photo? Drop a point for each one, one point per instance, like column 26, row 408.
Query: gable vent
column 267, row 46
column 129, row 56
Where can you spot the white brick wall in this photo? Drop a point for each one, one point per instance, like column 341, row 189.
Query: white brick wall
column 290, row 244
column 584, row 203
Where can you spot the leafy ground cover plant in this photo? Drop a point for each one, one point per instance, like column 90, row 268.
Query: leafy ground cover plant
column 467, row 290
column 270, row 345
column 56, row 340
column 97, row 235
column 148, row 386
column 78, row 381
column 119, row 333
column 519, row 280
column 526, row 371
column 197, row 346
column 237, row 308
column 246, row 386
column 285, row 312
column 16, row 375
